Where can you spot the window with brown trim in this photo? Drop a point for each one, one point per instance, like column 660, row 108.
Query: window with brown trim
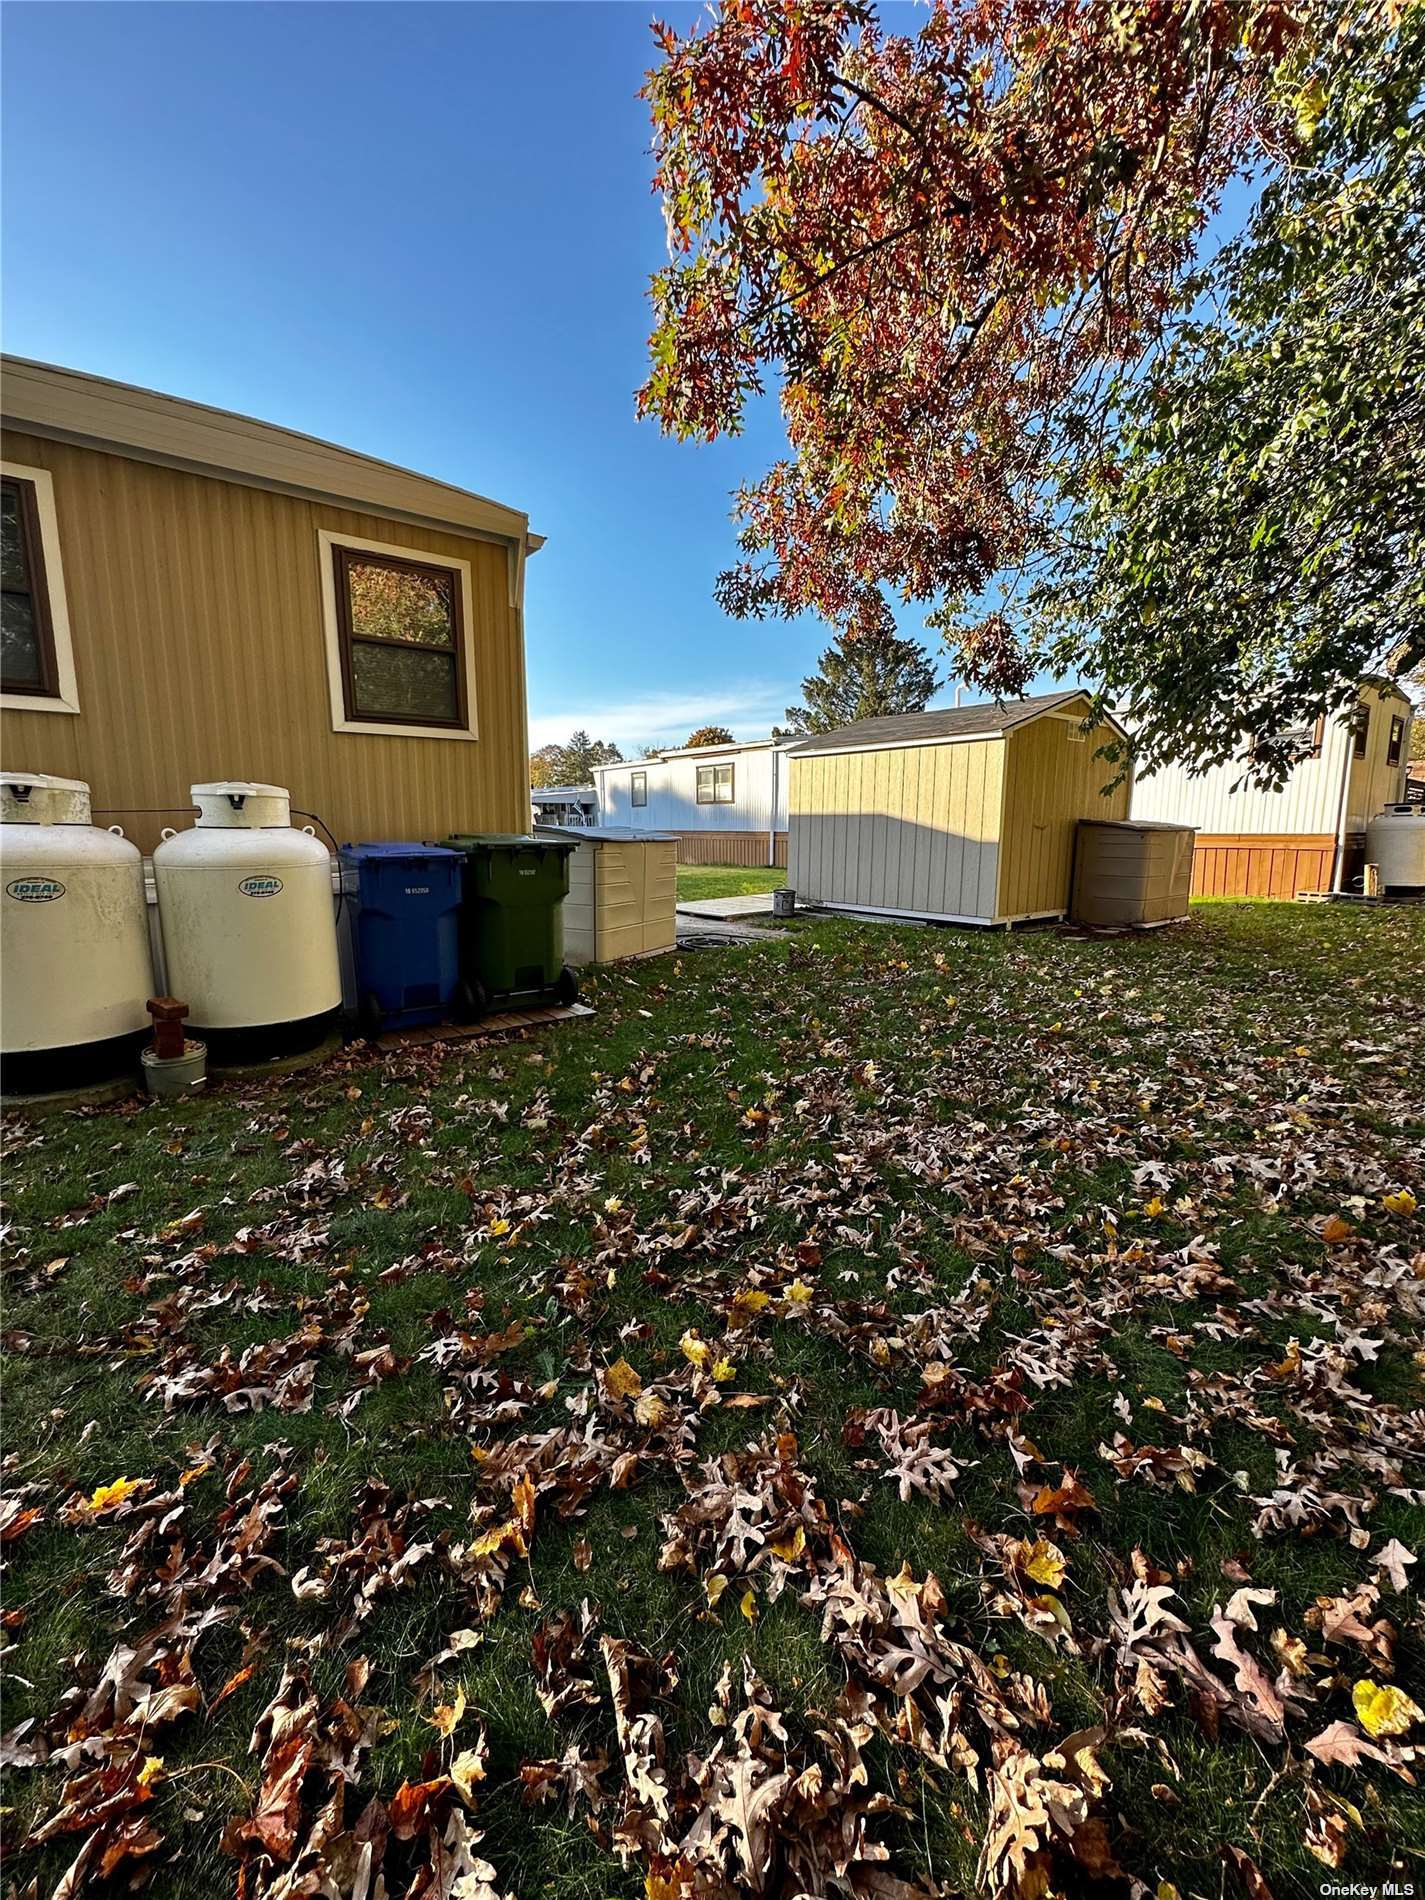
column 714, row 784
column 638, row 788
column 27, row 657
column 1363, row 730
column 1299, row 742
column 402, row 639
column 1396, row 743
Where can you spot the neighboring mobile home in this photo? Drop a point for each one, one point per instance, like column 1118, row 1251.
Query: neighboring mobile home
column 1310, row 834
column 964, row 816
column 191, row 595
column 576, row 805
column 727, row 804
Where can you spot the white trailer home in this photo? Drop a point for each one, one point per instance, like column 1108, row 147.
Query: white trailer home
column 727, row 804
column 1310, row 834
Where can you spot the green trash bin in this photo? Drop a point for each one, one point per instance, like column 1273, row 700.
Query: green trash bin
column 511, row 920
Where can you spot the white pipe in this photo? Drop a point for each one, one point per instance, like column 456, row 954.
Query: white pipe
column 772, row 814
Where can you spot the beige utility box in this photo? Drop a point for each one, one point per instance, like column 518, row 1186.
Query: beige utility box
column 623, row 892
column 1131, row 871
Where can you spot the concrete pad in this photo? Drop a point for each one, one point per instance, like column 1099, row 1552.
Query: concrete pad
column 759, row 904
column 84, row 1095
column 278, row 1065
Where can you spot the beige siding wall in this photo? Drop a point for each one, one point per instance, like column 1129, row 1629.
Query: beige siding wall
column 1373, row 782
column 197, row 618
column 1051, row 780
column 912, row 829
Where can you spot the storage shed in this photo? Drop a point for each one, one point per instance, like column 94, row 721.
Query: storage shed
column 962, row 816
column 1131, row 871
column 623, row 892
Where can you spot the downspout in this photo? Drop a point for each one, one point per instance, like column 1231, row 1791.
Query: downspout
column 1338, row 869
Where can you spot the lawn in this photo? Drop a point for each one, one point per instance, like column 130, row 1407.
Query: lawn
column 881, row 1411
column 725, row 880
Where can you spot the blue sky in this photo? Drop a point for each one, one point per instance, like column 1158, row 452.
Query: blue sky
column 424, row 232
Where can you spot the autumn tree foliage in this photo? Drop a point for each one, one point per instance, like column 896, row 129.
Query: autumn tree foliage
column 572, row 763
column 868, row 676
column 709, row 735
column 1255, row 542
column 935, row 243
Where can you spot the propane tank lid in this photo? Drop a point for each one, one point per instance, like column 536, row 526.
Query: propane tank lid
column 38, row 798
column 241, row 804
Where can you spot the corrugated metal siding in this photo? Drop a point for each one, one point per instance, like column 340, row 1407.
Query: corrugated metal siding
column 197, row 617
column 912, row 829
column 1052, row 779
column 1308, row 802
column 673, row 795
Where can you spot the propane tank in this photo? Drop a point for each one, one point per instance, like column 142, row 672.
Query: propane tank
column 249, row 936
column 77, row 969
column 1395, row 843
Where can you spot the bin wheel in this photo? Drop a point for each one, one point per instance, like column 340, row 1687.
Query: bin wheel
column 471, row 1000
column 566, row 990
column 371, row 1016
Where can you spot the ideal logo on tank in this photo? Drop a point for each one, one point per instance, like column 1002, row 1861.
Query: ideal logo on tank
column 260, row 886
column 34, row 890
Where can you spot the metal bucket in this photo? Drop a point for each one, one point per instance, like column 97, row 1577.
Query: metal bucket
column 784, row 902
column 170, row 1076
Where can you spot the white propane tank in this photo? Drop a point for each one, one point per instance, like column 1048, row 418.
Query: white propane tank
column 75, row 950
column 249, row 936
column 1395, row 841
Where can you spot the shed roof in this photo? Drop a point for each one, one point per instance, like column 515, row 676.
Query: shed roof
column 984, row 721
column 72, row 406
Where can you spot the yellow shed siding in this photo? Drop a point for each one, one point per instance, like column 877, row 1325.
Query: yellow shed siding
column 1052, row 779
column 909, row 828
column 196, row 609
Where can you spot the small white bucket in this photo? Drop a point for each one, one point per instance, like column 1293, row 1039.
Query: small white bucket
column 169, row 1076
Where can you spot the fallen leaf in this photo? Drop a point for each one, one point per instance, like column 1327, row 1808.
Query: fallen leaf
column 1382, row 1709
column 621, row 1380
column 109, row 1497
column 445, row 1718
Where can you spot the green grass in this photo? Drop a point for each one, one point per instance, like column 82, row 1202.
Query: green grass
column 945, row 1123
column 725, row 880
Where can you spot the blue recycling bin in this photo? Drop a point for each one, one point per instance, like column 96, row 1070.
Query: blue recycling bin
column 405, row 933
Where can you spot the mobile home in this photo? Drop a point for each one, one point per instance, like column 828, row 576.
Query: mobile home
column 961, row 816
column 1308, row 835
column 190, row 595
column 727, row 804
